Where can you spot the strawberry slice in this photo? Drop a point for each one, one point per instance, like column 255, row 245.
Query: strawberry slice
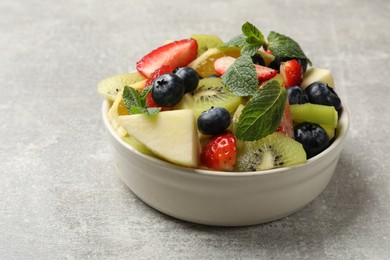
column 219, row 153
column 222, row 64
column 157, row 73
column 292, row 73
column 174, row 54
column 286, row 124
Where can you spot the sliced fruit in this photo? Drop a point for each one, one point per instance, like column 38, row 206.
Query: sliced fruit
column 187, row 102
column 206, row 42
column 157, row 73
column 267, row 57
column 219, row 153
column 136, row 145
column 286, row 124
column 110, row 87
column 171, row 135
column 222, row 64
column 236, row 116
column 273, row 151
column 291, row 72
column 313, row 113
column 212, row 93
column 113, row 113
column 317, row 74
column 175, row 54
column 204, row 64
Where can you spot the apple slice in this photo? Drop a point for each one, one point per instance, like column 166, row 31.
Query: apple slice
column 317, row 74
column 171, row 135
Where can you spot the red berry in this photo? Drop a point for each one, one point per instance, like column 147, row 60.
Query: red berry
column 174, row 54
column 219, row 153
column 221, row 65
column 157, row 73
column 286, row 124
column 292, row 73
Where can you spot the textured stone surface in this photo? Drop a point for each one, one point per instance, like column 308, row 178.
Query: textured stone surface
column 59, row 194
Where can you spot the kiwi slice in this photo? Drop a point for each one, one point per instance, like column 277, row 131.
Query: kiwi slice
column 212, row 93
column 110, row 87
column 273, row 151
column 206, row 41
column 314, row 113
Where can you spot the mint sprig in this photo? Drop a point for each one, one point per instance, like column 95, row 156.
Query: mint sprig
column 136, row 102
column 283, row 46
column 262, row 114
column 241, row 77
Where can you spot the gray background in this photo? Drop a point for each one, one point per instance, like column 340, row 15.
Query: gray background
column 59, row 194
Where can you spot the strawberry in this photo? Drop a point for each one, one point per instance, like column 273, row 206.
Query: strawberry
column 292, row 73
column 174, row 54
column 286, row 124
column 221, row 65
column 219, row 153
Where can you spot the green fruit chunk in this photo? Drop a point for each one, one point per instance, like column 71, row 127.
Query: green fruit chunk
column 323, row 115
column 110, row 87
column 212, row 93
column 274, row 151
column 140, row 147
column 206, row 41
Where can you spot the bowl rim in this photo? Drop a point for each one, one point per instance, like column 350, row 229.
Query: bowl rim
column 341, row 132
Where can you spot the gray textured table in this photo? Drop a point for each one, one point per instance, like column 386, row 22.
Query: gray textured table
column 59, row 194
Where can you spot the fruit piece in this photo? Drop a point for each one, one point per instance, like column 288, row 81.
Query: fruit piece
column 297, row 95
column 319, row 114
column 206, row 42
column 276, row 62
column 187, row 102
column 174, row 54
column 204, row 64
column 214, row 121
column 320, row 93
column 221, row 65
column 113, row 114
column 171, row 135
column 167, row 90
column 286, row 124
column 291, row 72
column 189, row 76
column 110, row 87
column 258, row 59
column 236, row 116
column 317, row 74
column 212, row 93
column 219, row 153
column 137, row 145
column 313, row 138
column 157, row 73
column 275, row 150
column 267, row 57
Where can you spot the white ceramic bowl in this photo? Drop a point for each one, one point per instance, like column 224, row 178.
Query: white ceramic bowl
column 225, row 198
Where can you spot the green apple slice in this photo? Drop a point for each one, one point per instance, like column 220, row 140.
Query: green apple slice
column 171, row 135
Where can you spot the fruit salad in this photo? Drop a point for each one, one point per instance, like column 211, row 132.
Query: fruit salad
column 251, row 103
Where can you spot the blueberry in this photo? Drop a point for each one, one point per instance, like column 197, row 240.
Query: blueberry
column 313, row 138
column 214, row 121
column 321, row 93
column 303, row 63
column 297, row 95
column 189, row 76
column 257, row 59
column 167, row 90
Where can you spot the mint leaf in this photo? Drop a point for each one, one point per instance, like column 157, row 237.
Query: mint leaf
column 238, row 41
column 249, row 49
column 241, row 77
column 262, row 114
column 136, row 103
column 253, row 35
column 284, row 46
